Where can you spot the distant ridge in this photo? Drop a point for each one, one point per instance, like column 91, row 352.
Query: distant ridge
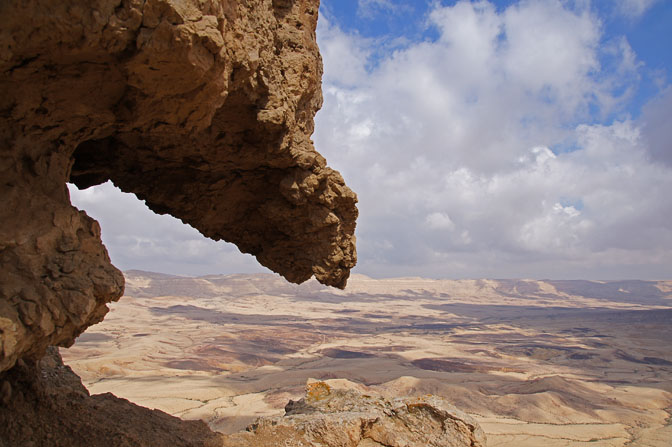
column 146, row 284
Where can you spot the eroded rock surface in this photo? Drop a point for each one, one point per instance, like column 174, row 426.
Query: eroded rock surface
column 202, row 108
column 337, row 417
column 44, row 404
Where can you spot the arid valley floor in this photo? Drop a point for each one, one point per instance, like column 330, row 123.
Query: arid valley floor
column 538, row 363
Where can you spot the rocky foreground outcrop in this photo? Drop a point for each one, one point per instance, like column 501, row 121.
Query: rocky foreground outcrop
column 202, row 108
column 44, row 404
column 49, row 406
column 338, row 417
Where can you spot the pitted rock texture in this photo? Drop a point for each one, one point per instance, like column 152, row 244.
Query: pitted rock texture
column 336, row 417
column 202, row 108
column 44, row 404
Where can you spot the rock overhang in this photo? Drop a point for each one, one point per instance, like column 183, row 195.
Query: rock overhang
column 204, row 109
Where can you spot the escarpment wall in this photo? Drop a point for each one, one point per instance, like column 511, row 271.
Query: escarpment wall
column 204, row 109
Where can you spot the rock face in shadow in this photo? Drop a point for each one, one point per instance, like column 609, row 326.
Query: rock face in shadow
column 336, row 417
column 202, row 108
column 44, row 403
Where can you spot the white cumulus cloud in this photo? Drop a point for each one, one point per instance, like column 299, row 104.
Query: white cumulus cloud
column 440, row 221
column 634, row 8
column 475, row 161
column 485, row 152
column 136, row 238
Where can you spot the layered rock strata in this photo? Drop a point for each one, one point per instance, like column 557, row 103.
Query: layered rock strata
column 337, row 417
column 202, row 108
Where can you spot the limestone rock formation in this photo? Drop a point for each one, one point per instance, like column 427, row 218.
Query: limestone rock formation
column 203, row 108
column 337, row 417
column 44, row 404
column 333, row 414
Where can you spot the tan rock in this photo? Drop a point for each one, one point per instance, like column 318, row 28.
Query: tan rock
column 333, row 413
column 345, row 417
column 202, row 108
column 46, row 405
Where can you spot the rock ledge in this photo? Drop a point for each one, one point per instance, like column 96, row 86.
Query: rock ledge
column 202, row 108
column 338, row 417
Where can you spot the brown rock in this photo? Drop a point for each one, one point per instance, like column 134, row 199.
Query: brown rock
column 336, row 417
column 51, row 408
column 202, row 108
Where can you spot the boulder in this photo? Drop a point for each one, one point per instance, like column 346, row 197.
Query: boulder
column 345, row 417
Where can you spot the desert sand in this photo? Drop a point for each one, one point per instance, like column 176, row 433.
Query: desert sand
column 552, row 363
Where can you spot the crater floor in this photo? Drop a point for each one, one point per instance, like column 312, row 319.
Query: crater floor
column 553, row 363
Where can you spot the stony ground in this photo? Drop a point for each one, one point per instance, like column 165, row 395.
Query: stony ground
column 562, row 363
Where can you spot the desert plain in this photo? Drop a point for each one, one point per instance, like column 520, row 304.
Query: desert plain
column 537, row 363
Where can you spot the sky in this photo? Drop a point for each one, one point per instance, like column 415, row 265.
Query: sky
column 505, row 139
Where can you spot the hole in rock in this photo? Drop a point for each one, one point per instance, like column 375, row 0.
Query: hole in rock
column 138, row 239
column 228, row 349
column 160, row 345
